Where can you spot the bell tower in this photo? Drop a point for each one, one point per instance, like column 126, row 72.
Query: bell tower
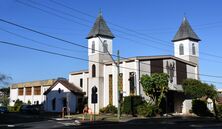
column 186, row 43
column 99, row 43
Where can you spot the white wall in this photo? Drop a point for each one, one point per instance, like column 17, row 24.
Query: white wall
column 187, row 106
column 13, row 96
column 75, row 79
column 111, row 69
column 107, row 72
column 188, row 55
column 25, row 98
column 99, row 45
column 59, row 99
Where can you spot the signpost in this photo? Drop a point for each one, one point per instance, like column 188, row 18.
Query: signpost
column 94, row 99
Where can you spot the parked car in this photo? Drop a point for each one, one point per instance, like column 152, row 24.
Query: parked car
column 26, row 108
column 29, row 109
column 3, row 110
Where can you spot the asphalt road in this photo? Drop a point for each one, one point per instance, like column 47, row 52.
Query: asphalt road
column 151, row 123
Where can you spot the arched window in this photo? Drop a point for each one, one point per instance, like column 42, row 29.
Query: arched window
column 93, row 46
column 93, row 70
column 105, row 46
column 181, row 49
column 193, row 49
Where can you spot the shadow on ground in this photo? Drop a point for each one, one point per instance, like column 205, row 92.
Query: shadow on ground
column 148, row 123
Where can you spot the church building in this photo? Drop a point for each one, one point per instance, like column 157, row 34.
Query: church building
column 102, row 71
column 102, row 74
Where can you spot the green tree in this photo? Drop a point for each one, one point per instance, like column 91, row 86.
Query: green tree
column 196, row 89
column 4, row 79
column 5, row 100
column 193, row 88
column 5, row 90
column 155, row 86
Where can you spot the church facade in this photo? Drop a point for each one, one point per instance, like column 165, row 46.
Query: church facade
column 102, row 73
column 102, row 70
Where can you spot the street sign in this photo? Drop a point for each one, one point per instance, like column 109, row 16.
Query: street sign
column 94, row 95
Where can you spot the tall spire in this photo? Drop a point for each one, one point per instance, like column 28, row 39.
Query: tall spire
column 185, row 32
column 100, row 12
column 100, row 28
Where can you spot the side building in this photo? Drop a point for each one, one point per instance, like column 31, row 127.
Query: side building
column 30, row 91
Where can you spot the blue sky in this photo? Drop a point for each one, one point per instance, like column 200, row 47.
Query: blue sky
column 158, row 19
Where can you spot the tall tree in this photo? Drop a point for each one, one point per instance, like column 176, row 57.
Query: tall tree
column 4, row 79
column 155, row 86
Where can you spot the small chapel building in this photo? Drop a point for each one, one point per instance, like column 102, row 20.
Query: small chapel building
column 102, row 71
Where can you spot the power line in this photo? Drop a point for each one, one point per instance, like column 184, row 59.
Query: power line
column 111, row 23
column 63, row 55
column 51, row 13
column 67, row 56
column 59, row 54
column 125, row 28
column 38, row 42
column 44, row 51
column 73, row 43
column 54, row 14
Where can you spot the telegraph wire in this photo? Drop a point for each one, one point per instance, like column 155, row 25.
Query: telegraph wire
column 38, row 42
column 73, row 57
column 125, row 28
column 45, row 51
column 73, row 43
column 58, row 54
column 51, row 13
column 89, row 26
column 109, row 22
column 68, row 56
column 45, row 11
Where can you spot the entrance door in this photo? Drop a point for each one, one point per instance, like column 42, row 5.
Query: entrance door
column 64, row 102
column 167, row 104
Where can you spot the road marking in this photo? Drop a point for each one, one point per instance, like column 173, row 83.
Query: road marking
column 11, row 126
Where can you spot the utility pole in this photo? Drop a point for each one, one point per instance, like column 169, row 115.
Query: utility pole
column 118, row 85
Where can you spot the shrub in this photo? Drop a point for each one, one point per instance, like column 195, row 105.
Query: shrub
column 199, row 108
column 17, row 105
column 146, row 110
column 29, row 102
column 108, row 109
column 130, row 103
column 219, row 109
column 11, row 109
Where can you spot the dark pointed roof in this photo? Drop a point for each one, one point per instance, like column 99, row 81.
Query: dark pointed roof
column 100, row 28
column 185, row 32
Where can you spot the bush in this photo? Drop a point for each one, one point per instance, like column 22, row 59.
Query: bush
column 108, row 109
column 11, row 109
column 29, row 102
column 219, row 109
column 17, row 106
column 146, row 110
column 199, row 108
column 130, row 103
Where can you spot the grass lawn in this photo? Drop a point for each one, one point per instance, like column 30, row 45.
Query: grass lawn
column 105, row 117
